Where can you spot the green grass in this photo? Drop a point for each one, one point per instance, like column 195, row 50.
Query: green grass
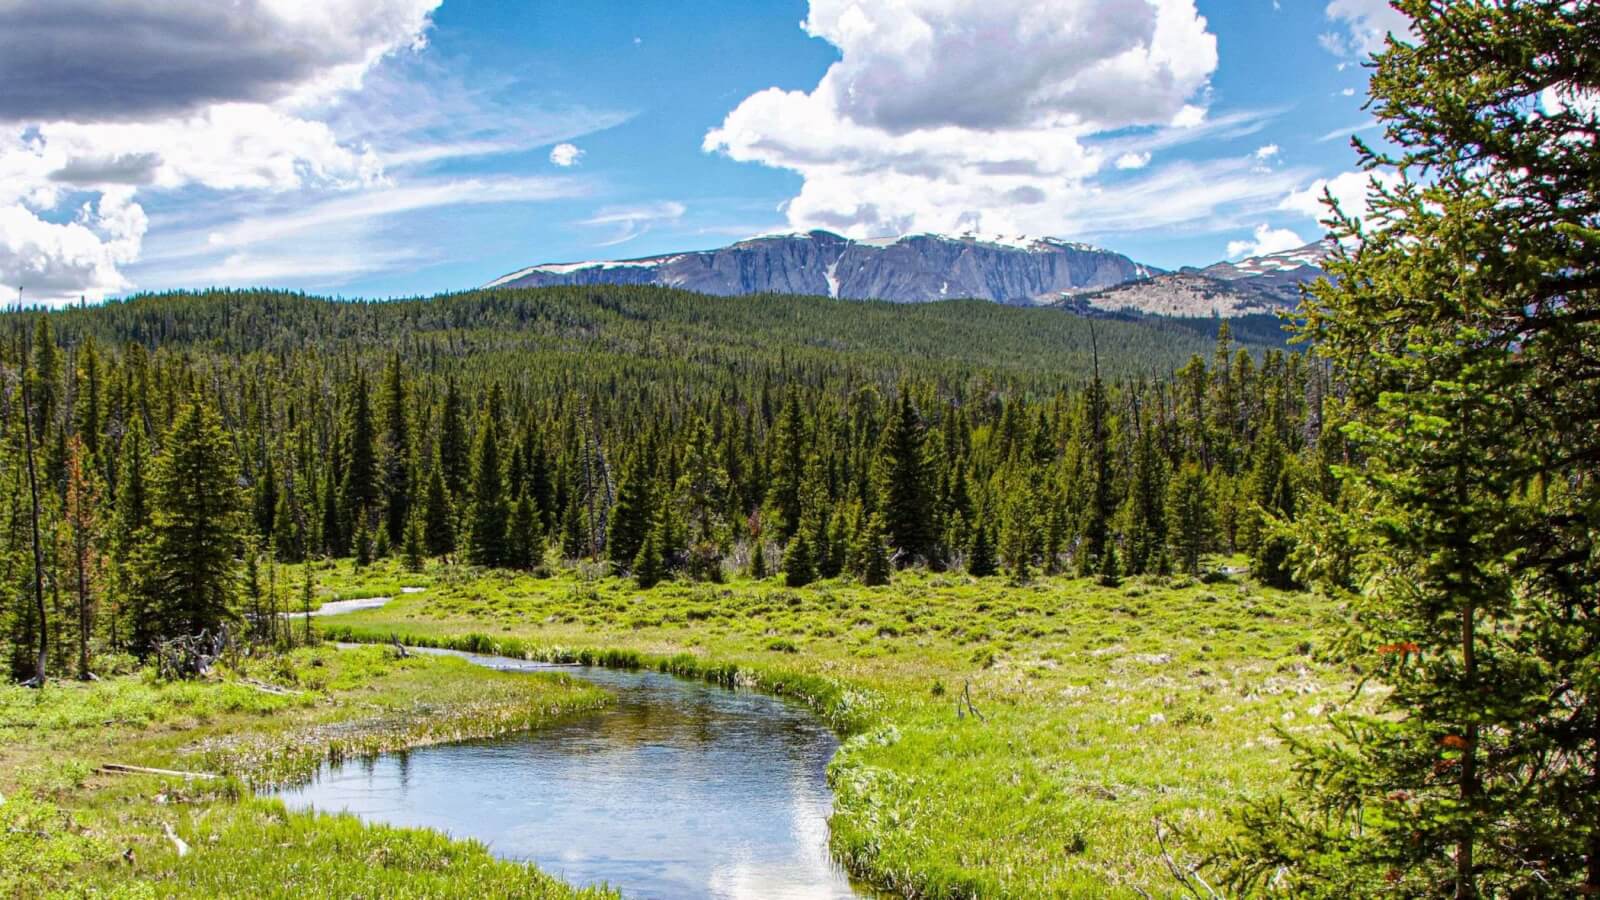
column 66, row 829
column 1102, row 710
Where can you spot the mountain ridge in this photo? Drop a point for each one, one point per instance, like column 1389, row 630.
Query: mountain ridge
column 925, row 267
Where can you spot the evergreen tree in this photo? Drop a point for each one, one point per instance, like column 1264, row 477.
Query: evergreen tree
column 396, row 467
column 454, row 453
column 359, row 493
column 489, row 511
column 904, row 488
column 799, row 561
column 1190, row 527
column 523, row 539
column 264, row 500
column 414, row 550
column 195, row 528
column 1101, row 501
column 790, row 440
column 631, row 516
column 1147, row 515
column 363, row 543
column 288, row 538
column 130, row 531
column 438, row 519
column 981, row 562
column 1458, row 327
column 876, row 559
column 82, row 520
column 758, row 559
column 334, row 542
column 648, row 566
column 574, row 540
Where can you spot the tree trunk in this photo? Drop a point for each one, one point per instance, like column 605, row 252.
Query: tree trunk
column 1469, row 764
column 40, row 670
column 81, row 553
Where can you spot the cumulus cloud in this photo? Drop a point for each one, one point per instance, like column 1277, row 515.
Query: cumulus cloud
column 1132, row 160
column 100, row 60
column 951, row 115
column 565, row 155
column 80, row 258
column 223, row 97
column 1349, row 189
column 1265, row 240
column 1266, row 152
column 1366, row 24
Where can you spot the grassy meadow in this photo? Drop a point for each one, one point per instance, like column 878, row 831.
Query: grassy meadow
column 68, row 829
column 1001, row 740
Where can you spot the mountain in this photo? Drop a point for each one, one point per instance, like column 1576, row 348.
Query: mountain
column 1259, row 284
column 910, row 269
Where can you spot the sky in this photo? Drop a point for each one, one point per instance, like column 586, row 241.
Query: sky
column 387, row 148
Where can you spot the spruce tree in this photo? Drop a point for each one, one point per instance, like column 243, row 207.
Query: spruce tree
column 489, row 509
column 360, row 494
column 523, row 538
column 414, row 551
column 1191, row 529
column 454, row 453
column 196, row 524
column 876, row 560
column 264, row 500
column 631, row 516
column 758, row 560
column 438, row 519
column 1458, row 323
column 981, row 562
column 574, row 541
column 363, row 542
column 648, row 566
column 904, row 486
column 396, row 465
column 799, row 561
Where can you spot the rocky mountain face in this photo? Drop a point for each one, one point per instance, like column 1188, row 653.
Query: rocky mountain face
column 1259, row 284
column 911, row 269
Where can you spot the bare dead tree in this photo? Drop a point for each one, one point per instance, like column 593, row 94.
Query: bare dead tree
column 40, row 671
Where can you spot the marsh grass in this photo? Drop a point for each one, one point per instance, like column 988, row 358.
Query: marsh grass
column 65, row 828
column 1103, row 708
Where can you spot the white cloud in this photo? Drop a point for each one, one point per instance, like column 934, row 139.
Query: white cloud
column 178, row 57
column 1265, row 240
column 1367, row 24
column 1266, row 152
column 1132, row 160
column 565, row 155
column 952, row 115
column 198, row 95
column 1349, row 189
column 629, row 222
column 80, row 258
column 269, row 241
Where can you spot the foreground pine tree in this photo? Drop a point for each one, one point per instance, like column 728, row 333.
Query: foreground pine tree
column 192, row 569
column 1466, row 322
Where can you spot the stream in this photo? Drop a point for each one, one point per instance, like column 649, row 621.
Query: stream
column 678, row 789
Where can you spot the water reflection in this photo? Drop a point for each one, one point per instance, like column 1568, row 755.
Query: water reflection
column 680, row 789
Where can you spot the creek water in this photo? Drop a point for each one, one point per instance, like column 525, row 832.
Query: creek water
column 678, row 789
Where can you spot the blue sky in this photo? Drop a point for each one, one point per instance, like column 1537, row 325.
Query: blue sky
column 415, row 149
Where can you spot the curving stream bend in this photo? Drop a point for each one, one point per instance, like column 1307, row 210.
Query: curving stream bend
column 678, row 789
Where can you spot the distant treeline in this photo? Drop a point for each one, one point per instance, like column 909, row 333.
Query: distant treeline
column 182, row 444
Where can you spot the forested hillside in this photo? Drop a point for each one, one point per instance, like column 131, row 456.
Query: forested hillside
column 180, row 443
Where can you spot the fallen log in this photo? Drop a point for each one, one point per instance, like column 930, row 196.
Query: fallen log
column 265, row 688
column 121, row 769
